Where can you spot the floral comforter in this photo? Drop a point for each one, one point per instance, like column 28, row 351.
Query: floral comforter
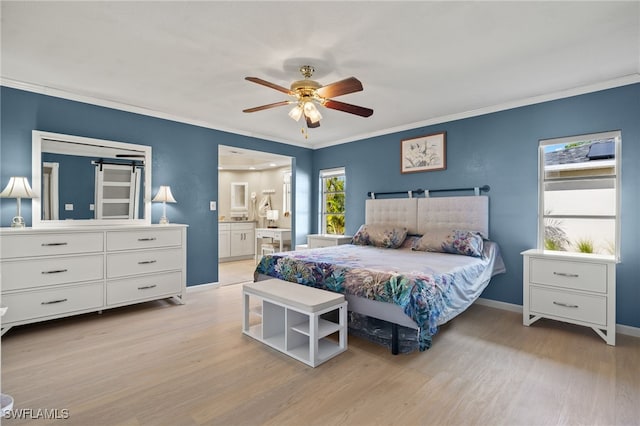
column 430, row 287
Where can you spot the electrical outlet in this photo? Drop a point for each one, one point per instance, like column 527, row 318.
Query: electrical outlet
column 92, row 207
column 68, row 207
column 212, row 206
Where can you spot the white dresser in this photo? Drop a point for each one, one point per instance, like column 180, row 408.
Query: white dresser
column 571, row 287
column 50, row 273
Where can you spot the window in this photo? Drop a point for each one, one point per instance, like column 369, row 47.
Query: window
column 579, row 194
column 332, row 183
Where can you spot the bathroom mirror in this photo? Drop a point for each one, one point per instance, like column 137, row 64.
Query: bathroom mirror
column 239, row 199
column 85, row 181
column 286, row 192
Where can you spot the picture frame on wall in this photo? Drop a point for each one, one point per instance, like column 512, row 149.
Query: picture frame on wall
column 424, row 153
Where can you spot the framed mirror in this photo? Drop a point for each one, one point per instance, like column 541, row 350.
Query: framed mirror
column 85, row 181
column 239, row 199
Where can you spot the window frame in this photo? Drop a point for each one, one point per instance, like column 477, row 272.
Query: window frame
column 616, row 135
column 322, row 213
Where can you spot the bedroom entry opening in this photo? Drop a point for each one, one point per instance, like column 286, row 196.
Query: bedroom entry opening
column 255, row 192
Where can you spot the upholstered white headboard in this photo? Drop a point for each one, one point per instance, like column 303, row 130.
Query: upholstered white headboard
column 397, row 212
column 421, row 215
column 470, row 213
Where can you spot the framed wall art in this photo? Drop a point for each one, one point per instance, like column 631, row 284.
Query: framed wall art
column 424, row 153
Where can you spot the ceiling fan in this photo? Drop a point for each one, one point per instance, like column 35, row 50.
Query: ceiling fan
column 308, row 93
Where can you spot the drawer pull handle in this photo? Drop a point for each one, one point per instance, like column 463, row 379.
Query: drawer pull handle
column 147, row 239
column 51, row 302
column 566, row 305
column 53, row 244
column 147, row 287
column 146, row 262
column 565, row 274
column 56, row 271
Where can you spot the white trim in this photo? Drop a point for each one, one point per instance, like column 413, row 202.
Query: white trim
column 203, row 287
column 627, row 330
column 581, row 90
column 499, row 305
column 609, row 84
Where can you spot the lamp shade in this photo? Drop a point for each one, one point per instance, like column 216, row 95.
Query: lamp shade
column 18, row 187
column 272, row 214
column 164, row 195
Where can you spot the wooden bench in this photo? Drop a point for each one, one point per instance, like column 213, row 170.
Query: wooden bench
column 296, row 320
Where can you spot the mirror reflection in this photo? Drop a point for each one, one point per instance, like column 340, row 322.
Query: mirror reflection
column 91, row 180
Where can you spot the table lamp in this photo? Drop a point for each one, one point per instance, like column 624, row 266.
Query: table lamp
column 164, row 194
column 18, row 187
column 272, row 216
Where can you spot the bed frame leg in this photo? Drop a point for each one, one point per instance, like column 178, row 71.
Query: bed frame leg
column 394, row 339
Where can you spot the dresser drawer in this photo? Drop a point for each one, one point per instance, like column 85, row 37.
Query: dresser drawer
column 42, row 303
column 45, row 244
column 143, row 262
column 39, row 272
column 145, row 287
column 142, row 239
column 569, row 274
column 570, row 305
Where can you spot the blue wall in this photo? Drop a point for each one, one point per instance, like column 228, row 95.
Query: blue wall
column 184, row 157
column 76, row 183
column 500, row 149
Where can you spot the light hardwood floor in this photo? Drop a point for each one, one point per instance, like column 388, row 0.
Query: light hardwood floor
column 164, row 364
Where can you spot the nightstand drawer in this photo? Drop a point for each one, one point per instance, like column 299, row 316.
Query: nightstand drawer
column 145, row 287
column 570, row 305
column 143, row 262
column 51, row 302
column 44, row 244
column 568, row 274
column 39, row 272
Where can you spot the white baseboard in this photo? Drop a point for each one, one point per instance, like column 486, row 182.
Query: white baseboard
column 202, row 287
column 621, row 329
column 499, row 305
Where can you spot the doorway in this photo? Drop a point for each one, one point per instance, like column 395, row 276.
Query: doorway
column 267, row 182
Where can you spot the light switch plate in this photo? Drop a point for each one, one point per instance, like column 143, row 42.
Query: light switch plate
column 212, row 205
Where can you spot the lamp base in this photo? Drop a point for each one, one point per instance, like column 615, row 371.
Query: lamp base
column 164, row 220
column 18, row 222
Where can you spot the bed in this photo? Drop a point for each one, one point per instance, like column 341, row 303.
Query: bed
column 391, row 272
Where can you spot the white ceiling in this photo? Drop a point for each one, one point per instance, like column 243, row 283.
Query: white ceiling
column 420, row 62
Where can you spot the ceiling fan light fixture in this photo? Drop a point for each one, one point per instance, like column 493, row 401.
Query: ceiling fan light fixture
column 296, row 112
column 312, row 112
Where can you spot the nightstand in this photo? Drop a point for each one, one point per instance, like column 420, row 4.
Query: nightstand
column 326, row 240
column 571, row 287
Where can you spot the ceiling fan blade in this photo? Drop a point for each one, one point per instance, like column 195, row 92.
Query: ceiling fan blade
column 351, row 109
column 273, row 105
column 268, row 84
column 339, row 88
column 311, row 125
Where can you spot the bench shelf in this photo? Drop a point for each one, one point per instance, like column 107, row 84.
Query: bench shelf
column 307, row 324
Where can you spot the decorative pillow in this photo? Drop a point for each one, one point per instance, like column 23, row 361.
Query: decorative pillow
column 467, row 243
column 433, row 241
column 379, row 236
column 409, row 242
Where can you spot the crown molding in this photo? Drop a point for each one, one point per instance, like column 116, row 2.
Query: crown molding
column 580, row 90
column 63, row 94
